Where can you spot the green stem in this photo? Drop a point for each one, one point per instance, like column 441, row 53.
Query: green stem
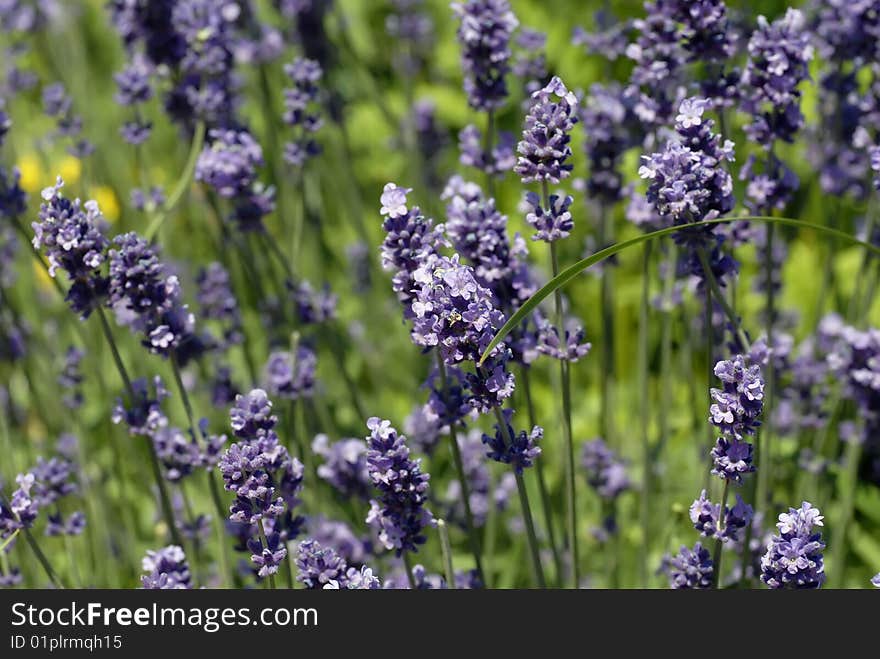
column 645, row 416
column 164, row 499
column 848, row 487
column 462, row 477
column 666, row 351
column 41, row 557
column 407, row 562
column 716, row 555
column 220, row 528
column 607, row 309
column 770, row 371
column 299, row 218
column 534, row 549
column 183, row 182
column 722, row 302
column 571, row 510
column 547, row 509
column 196, row 436
column 265, row 542
column 488, row 140
column 9, row 541
column 446, row 549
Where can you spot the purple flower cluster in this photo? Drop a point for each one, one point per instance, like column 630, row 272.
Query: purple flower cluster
column 611, row 127
column 658, row 52
column 139, row 21
column 345, row 465
column 691, row 569
column 705, row 30
column 167, row 569
column 54, row 480
column 410, row 238
column 530, row 62
column 705, row 516
column 229, row 162
column 732, row 458
column 205, row 86
column 42, row 489
column 794, row 556
column 58, row 105
column 606, row 473
column 473, row 153
column 339, row 535
column 687, row 180
column 144, row 414
column 134, row 88
column 322, row 567
column 572, row 350
column 300, row 110
column 292, row 376
column 608, row 39
column 687, row 183
column 178, row 451
column 484, row 32
column 453, row 311
column 520, row 450
column 12, row 203
column 217, row 302
column 737, row 406
column 853, row 357
column 22, row 508
column 70, row 379
column 432, row 139
column 314, row 306
column 266, row 482
column 411, row 27
column 771, row 188
column 779, row 56
column 553, row 222
column 478, row 233
column 71, row 235
column 147, row 299
column 544, row 149
column 399, row 514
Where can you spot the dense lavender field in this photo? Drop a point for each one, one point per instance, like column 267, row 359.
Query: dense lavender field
column 411, row 294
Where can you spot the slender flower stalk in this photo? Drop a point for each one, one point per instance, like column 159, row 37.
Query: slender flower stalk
column 446, row 550
column 503, row 428
column 542, row 482
column 462, row 478
column 44, row 561
column 182, row 185
column 716, row 554
column 164, row 498
column 197, row 436
column 645, row 508
column 543, row 154
column 564, row 378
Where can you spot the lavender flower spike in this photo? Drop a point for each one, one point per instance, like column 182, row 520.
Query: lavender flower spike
column 544, row 149
column 691, row 569
column 167, row 569
column 484, row 33
column 399, row 514
column 794, row 556
column 72, row 236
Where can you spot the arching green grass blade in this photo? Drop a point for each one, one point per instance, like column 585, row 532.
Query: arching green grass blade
column 575, row 269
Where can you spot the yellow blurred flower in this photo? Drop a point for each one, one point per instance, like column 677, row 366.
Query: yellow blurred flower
column 70, row 169
column 29, row 165
column 107, row 202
